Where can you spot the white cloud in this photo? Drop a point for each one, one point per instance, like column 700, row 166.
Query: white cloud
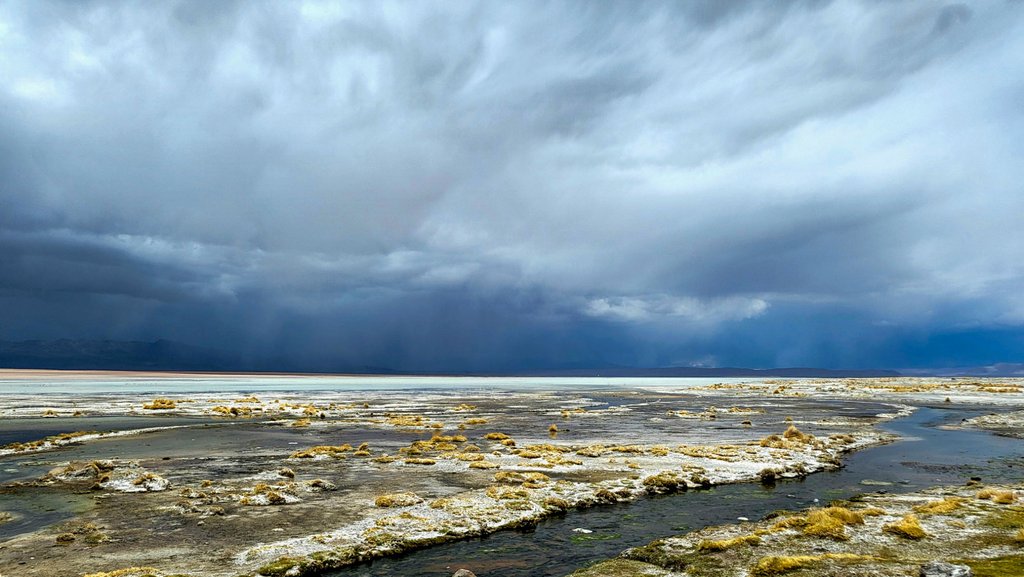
column 663, row 307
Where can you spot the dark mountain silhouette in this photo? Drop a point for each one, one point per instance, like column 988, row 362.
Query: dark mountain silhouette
column 165, row 355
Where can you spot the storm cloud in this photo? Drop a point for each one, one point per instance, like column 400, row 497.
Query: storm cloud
column 511, row 186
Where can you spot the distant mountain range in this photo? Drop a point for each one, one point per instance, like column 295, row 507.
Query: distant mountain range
column 165, row 355
column 112, row 355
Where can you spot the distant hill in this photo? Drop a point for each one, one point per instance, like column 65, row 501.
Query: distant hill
column 996, row 370
column 165, row 355
column 110, row 355
column 793, row 372
column 159, row 355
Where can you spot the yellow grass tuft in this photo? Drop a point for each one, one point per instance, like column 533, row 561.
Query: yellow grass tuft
column 771, row 566
column 160, row 404
column 908, row 527
column 997, row 496
column 711, row 546
column 940, row 507
column 829, row 523
column 326, row 450
column 398, row 500
column 126, row 572
column 794, row 434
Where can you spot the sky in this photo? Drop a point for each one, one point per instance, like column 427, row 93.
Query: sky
column 518, row 185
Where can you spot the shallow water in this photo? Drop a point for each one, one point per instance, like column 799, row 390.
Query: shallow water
column 242, row 451
column 185, row 384
column 926, row 456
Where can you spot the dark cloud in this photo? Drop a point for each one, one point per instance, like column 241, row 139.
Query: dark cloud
column 479, row 185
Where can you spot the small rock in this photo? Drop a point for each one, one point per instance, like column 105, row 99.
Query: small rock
column 464, row 573
column 742, row 519
column 940, row 569
column 581, row 530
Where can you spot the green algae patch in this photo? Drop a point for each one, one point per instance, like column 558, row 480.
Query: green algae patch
column 1009, row 518
column 772, row 566
column 280, row 567
column 315, row 564
column 621, row 568
column 1012, row 566
column 660, row 553
column 585, row 538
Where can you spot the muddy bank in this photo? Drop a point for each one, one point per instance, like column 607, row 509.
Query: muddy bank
column 303, row 482
column 239, row 493
column 976, row 525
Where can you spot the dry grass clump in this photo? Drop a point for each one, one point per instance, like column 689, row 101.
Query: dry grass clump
column 771, row 566
column 1019, row 537
column 830, row 523
column 794, row 434
column 509, row 477
column 908, row 528
column 146, row 478
column 321, row 485
column 475, row 421
column 774, row 442
column 665, row 481
column 414, row 421
column 336, row 451
column 496, row 436
column 940, row 507
column 419, row 461
column 232, row 411
column 60, row 439
column 503, row 493
column 711, row 546
column 469, row 457
column 127, row 572
column 160, row 403
column 592, row 451
column 484, row 465
column 794, row 522
column 843, row 438
column 553, row 428
column 998, row 496
column 302, row 423
column 531, row 480
column 398, row 500
column 271, row 494
column 557, row 503
column 554, row 460
column 566, row 413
